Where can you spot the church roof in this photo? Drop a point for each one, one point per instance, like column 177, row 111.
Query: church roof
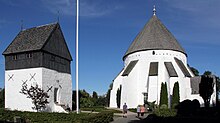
column 31, row 39
column 37, row 38
column 154, row 36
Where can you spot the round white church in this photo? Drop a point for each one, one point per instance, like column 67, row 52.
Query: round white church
column 154, row 57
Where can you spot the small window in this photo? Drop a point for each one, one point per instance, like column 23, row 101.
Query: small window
column 14, row 57
column 153, row 52
column 29, row 55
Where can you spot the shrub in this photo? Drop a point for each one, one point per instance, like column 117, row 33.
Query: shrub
column 37, row 117
column 176, row 95
column 165, row 112
column 163, row 94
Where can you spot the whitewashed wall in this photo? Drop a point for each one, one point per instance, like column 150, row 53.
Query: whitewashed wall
column 138, row 81
column 14, row 100
column 45, row 78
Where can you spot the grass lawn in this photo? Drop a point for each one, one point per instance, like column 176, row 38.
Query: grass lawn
column 99, row 109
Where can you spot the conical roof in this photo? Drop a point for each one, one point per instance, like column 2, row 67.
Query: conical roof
column 154, row 36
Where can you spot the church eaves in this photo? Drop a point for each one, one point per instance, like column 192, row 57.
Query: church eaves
column 154, row 36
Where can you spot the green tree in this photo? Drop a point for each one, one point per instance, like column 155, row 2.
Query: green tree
column 195, row 71
column 163, row 95
column 2, row 98
column 207, row 73
column 206, row 88
column 176, row 95
column 94, row 95
column 118, row 97
column 108, row 94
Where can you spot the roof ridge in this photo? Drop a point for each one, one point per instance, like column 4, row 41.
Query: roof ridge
column 53, row 23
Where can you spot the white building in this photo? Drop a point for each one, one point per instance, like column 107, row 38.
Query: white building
column 40, row 56
column 155, row 56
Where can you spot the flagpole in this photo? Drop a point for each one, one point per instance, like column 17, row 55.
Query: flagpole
column 77, row 40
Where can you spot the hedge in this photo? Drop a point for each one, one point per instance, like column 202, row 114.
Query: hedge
column 36, row 117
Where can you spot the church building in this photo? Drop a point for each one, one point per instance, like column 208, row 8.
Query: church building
column 38, row 56
column 154, row 57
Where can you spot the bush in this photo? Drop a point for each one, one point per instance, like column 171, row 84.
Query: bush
column 165, row 112
column 163, row 94
column 36, row 117
column 176, row 95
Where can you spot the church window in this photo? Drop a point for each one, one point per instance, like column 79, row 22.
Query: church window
column 153, row 52
column 14, row 57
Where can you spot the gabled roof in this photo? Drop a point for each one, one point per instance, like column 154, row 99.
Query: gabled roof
column 30, row 39
column 33, row 39
column 154, row 36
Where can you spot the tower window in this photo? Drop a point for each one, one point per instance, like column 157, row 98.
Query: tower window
column 14, row 57
column 29, row 55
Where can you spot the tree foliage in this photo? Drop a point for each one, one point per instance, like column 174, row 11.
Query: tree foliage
column 163, row 95
column 176, row 95
column 37, row 95
column 94, row 95
column 2, row 98
column 195, row 71
column 108, row 94
column 118, row 97
column 207, row 73
column 206, row 88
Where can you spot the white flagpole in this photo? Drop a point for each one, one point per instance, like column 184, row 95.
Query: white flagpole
column 77, row 39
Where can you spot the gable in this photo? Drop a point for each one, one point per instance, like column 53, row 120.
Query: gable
column 56, row 45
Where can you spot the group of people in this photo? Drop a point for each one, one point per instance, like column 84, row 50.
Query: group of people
column 140, row 110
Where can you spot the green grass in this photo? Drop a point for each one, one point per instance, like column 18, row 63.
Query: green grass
column 100, row 109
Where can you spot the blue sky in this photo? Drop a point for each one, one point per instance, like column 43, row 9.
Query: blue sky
column 107, row 28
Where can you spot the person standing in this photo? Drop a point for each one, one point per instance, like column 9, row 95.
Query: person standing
column 138, row 110
column 125, row 109
column 142, row 110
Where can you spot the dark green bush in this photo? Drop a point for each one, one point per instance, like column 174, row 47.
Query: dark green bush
column 37, row 117
column 163, row 94
column 176, row 95
column 165, row 112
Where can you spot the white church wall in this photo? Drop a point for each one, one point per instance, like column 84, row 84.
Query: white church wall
column 63, row 81
column 14, row 100
column 116, row 85
column 138, row 81
column 129, row 93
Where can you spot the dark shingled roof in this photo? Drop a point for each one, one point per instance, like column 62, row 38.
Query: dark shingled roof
column 31, row 39
column 153, row 69
column 129, row 68
column 170, row 69
column 182, row 67
column 154, row 36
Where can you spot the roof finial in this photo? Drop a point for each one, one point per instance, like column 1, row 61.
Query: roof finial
column 154, row 10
